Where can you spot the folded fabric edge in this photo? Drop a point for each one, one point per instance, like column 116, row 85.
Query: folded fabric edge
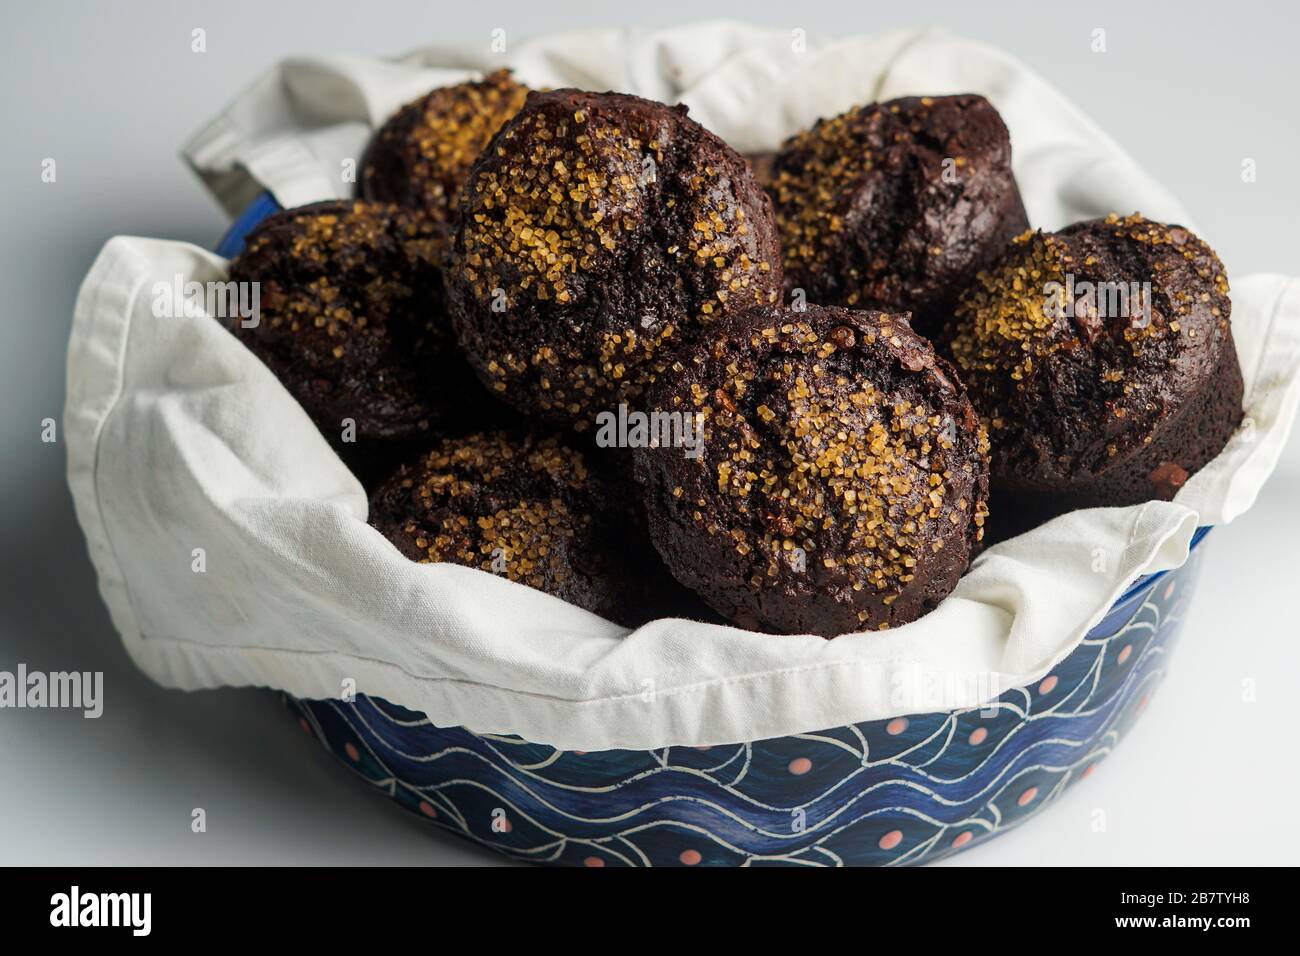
column 1278, row 362
column 796, row 700
column 96, row 347
column 1160, row 546
column 629, row 722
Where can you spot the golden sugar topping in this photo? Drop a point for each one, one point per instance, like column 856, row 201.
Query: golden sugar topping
column 576, row 201
column 814, row 199
column 471, row 511
column 564, row 194
column 1033, row 303
column 1005, row 318
column 829, row 457
column 452, row 125
column 342, row 270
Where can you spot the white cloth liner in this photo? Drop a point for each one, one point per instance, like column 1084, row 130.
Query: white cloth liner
column 178, row 438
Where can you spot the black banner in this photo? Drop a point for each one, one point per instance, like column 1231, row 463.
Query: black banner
column 334, row 906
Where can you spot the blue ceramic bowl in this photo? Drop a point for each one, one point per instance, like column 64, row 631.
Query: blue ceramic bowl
column 908, row 790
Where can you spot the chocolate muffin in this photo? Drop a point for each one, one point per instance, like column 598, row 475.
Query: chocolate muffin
column 1102, row 359
column 598, row 229
column 352, row 320
column 421, row 156
column 843, row 479
column 897, row 205
column 533, row 510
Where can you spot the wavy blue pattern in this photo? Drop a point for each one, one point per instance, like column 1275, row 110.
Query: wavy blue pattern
column 894, row 792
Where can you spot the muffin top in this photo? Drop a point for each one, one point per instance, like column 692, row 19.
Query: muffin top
column 352, row 317
column 531, row 509
column 596, row 230
column 844, row 474
column 422, row 155
column 489, row 498
column 891, row 204
column 1086, row 338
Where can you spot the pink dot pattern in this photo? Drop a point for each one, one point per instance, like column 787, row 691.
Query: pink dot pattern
column 891, row 839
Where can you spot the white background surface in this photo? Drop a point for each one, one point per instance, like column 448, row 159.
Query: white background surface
column 111, row 91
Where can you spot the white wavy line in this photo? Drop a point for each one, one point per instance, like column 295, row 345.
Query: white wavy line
column 689, row 827
column 920, row 850
column 716, row 768
column 839, row 860
column 343, row 713
column 895, row 759
column 1094, row 672
column 1101, row 705
column 951, row 724
column 645, row 860
column 818, row 738
column 995, row 705
column 423, row 719
column 555, row 755
column 908, row 811
column 1005, row 741
column 866, row 744
column 744, row 769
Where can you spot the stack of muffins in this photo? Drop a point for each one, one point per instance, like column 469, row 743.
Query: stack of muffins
column 576, row 340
